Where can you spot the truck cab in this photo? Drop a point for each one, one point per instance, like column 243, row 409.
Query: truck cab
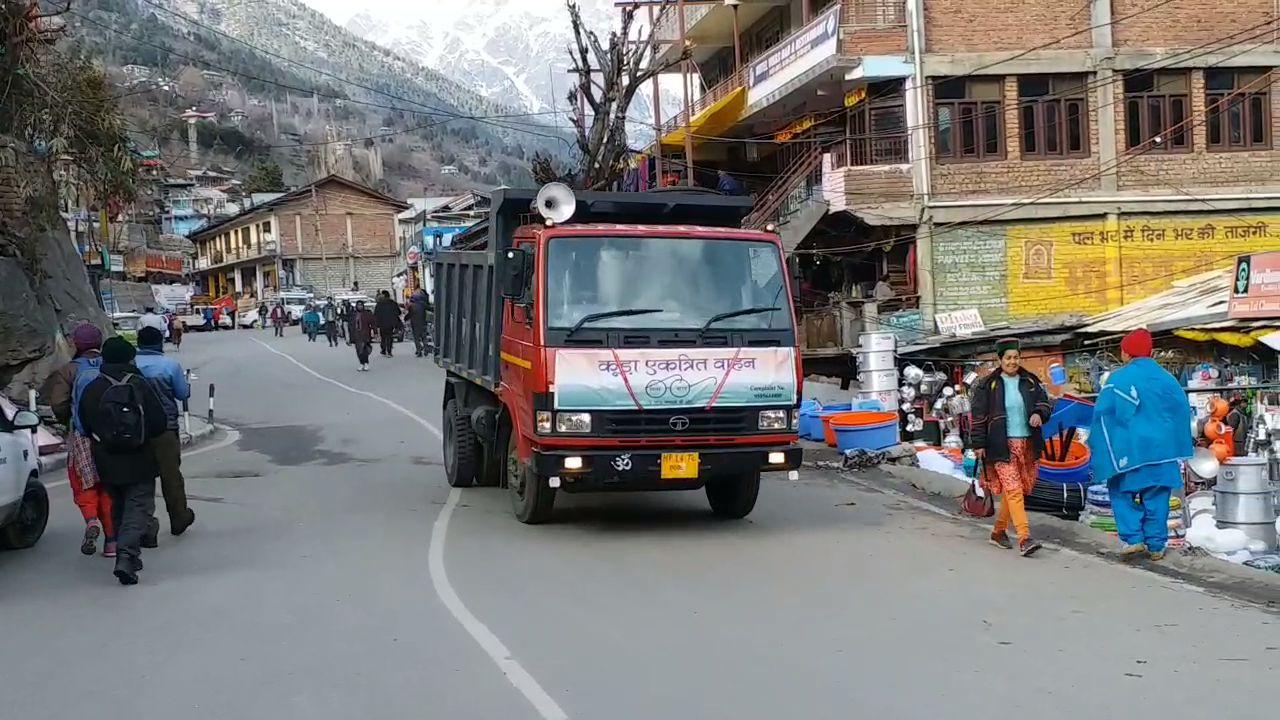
column 617, row 342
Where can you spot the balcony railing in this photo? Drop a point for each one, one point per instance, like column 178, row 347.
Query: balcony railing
column 875, row 13
column 712, row 96
column 667, row 25
column 862, row 151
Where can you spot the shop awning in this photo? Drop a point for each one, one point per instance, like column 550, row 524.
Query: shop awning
column 713, row 120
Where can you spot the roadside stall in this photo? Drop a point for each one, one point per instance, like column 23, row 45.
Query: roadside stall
column 1217, row 333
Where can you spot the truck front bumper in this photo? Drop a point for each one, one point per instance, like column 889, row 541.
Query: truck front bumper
column 585, row 470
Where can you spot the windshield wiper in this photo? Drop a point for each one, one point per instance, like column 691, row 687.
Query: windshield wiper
column 592, row 317
column 733, row 314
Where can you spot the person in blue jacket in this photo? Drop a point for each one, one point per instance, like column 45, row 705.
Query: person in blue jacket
column 170, row 382
column 1141, row 431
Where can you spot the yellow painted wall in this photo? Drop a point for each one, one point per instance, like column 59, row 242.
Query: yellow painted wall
column 1019, row 270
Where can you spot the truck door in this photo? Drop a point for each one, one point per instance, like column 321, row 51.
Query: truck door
column 519, row 347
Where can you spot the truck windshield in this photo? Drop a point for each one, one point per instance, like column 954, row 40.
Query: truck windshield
column 690, row 280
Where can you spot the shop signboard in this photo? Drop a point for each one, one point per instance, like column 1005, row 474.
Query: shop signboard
column 800, row 52
column 855, row 96
column 1255, row 286
column 959, row 322
column 164, row 262
column 795, row 128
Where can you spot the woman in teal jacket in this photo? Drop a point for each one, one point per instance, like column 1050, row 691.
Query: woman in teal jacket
column 1141, row 431
column 311, row 323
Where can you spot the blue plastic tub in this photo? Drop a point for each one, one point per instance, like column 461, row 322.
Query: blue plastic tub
column 876, row 436
column 810, row 424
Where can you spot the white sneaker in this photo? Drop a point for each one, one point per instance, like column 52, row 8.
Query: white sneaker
column 366, row 367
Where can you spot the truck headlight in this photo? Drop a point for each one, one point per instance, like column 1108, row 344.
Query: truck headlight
column 795, row 419
column 573, row 422
column 773, row 419
column 543, row 420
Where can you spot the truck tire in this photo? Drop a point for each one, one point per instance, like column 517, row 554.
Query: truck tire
column 33, row 515
column 460, row 447
column 733, row 498
column 531, row 498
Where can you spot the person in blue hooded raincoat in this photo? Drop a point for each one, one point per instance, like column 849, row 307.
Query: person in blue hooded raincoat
column 1141, row 431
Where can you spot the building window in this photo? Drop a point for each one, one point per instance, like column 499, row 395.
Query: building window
column 1238, row 108
column 1053, row 118
column 1157, row 106
column 877, row 128
column 969, row 119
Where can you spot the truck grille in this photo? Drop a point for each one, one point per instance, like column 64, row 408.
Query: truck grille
column 725, row 421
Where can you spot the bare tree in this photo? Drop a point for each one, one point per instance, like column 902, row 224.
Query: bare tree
column 607, row 80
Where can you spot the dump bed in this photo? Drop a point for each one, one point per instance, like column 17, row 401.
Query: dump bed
column 468, row 296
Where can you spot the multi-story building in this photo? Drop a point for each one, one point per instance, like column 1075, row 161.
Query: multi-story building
column 328, row 235
column 1027, row 159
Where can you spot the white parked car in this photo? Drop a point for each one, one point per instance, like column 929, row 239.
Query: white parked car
column 24, row 503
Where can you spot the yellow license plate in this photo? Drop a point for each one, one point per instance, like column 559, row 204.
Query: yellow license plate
column 679, row 466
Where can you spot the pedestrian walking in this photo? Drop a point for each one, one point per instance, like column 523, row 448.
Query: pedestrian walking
column 279, row 318
column 90, row 497
column 176, row 328
column 1009, row 407
column 418, row 317
column 263, row 312
column 169, row 380
column 346, row 319
column 151, row 319
column 122, row 415
column 362, row 326
column 311, row 323
column 330, row 317
column 1141, row 429
column 387, row 315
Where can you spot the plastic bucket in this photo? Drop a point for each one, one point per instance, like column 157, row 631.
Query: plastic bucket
column 822, row 430
column 864, row 430
column 1072, row 471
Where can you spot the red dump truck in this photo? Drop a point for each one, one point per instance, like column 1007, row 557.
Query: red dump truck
column 616, row 341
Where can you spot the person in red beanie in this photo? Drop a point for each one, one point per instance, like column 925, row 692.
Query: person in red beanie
column 92, row 500
column 1141, row 430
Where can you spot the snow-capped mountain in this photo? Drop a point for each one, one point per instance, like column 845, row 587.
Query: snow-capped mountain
column 509, row 52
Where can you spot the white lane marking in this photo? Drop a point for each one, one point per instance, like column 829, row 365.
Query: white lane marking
column 232, row 435
column 515, row 673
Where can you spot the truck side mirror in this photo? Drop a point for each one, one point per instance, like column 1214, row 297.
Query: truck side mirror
column 514, row 273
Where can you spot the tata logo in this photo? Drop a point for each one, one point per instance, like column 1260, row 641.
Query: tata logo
column 679, row 423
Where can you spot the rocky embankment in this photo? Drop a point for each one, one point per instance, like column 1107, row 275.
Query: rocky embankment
column 44, row 289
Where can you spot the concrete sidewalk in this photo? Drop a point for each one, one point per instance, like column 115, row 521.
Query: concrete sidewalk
column 942, row 493
column 200, row 429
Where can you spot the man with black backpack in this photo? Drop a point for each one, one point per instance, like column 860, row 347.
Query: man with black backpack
column 122, row 415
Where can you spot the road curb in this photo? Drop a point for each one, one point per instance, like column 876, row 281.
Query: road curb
column 200, row 429
column 941, row 492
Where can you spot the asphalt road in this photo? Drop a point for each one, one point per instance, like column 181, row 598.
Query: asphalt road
column 318, row 583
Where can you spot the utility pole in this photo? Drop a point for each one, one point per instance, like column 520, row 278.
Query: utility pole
column 657, row 116
column 687, row 72
column 315, row 222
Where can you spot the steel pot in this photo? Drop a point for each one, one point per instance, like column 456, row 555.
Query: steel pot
column 1204, row 464
column 912, row 374
column 908, row 392
column 970, row 377
column 1243, row 475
